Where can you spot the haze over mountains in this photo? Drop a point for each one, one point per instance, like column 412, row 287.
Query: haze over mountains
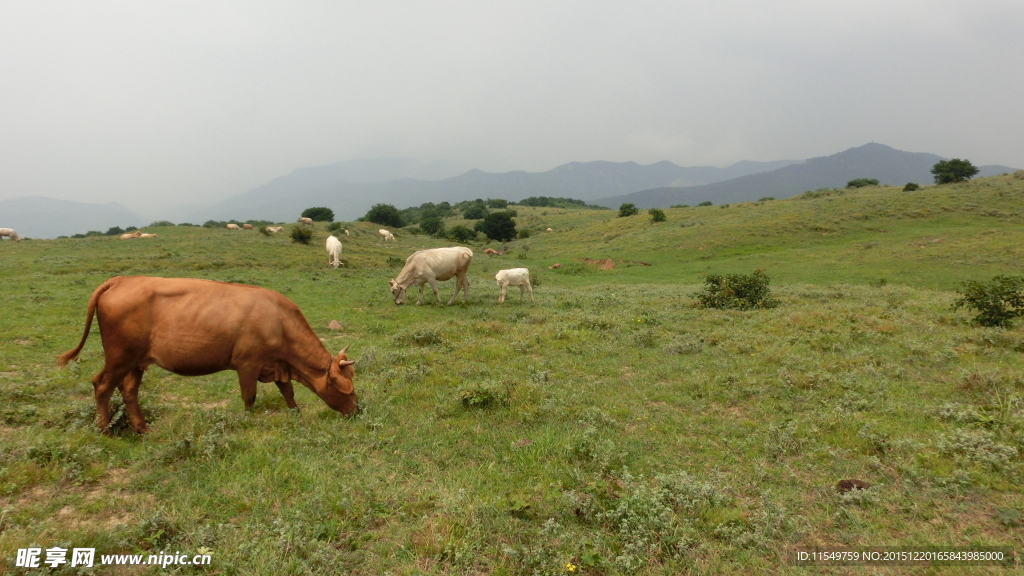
column 350, row 188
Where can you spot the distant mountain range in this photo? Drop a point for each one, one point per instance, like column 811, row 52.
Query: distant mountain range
column 888, row 165
column 335, row 187
column 350, row 188
column 42, row 217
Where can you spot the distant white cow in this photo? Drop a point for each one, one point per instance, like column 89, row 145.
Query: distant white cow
column 385, row 235
column 130, row 235
column 275, row 229
column 9, row 233
column 550, row 230
column 346, row 232
column 514, row 277
column 306, row 221
column 233, row 227
column 333, row 251
column 429, row 266
column 148, row 236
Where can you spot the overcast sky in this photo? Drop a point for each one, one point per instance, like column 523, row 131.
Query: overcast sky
column 148, row 103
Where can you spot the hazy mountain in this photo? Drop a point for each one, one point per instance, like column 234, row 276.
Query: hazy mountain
column 350, row 190
column 42, row 217
column 887, row 165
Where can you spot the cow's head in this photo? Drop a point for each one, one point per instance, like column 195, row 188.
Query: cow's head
column 397, row 291
column 338, row 392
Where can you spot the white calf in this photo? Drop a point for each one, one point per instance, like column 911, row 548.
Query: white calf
column 514, row 277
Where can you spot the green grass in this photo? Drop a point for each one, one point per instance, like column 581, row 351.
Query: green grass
column 612, row 425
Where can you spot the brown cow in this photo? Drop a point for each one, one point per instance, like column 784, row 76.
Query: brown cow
column 247, row 226
column 197, row 327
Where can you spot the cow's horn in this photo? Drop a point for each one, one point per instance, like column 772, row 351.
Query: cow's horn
column 345, row 363
column 343, row 350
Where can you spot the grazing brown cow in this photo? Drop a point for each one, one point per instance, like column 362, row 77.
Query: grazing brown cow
column 247, row 226
column 197, row 327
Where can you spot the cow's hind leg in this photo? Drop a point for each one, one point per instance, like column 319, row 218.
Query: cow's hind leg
column 130, row 394
column 288, row 392
column 103, row 385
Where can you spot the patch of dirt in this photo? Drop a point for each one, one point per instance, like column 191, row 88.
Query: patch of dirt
column 603, row 264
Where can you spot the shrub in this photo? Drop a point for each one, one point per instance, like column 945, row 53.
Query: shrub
column 628, row 209
column 705, row 203
column 679, row 206
column 318, row 214
column 114, row 231
column 657, row 214
column 910, row 187
column 433, row 226
column 766, row 198
column 1019, row 174
column 523, row 234
column 301, row 235
column 161, row 223
column 385, row 214
column 499, row 226
column 334, row 226
column 187, row 224
column 862, row 182
column 999, row 301
column 736, row 291
column 953, row 171
column 486, row 394
column 461, row 234
column 497, row 203
column 475, row 212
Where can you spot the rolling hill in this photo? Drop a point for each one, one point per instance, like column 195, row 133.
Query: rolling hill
column 43, row 217
column 888, row 165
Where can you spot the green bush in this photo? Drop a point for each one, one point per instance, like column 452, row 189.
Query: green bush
column 1019, row 174
column 679, row 206
column 334, row 226
column 497, row 203
column 475, row 212
column 862, row 182
column 910, row 187
column 499, row 226
column 523, row 234
column 461, row 234
column 385, row 214
column 301, row 235
column 998, row 301
column 705, row 203
column 433, row 226
column 114, row 231
column 318, row 214
column 628, row 209
column 953, row 171
column 736, row 291
column 656, row 214
column 162, row 223
column 766, row 198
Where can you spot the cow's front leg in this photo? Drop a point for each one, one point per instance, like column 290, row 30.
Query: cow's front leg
column 288, row 392
column 247, row 379
column 501, row 296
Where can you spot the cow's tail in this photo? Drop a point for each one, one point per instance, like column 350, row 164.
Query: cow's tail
column 70, row 355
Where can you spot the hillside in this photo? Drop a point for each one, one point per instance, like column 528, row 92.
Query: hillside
column 337, row 188
column 613, row 427
column 42, row 217
column 890, row 166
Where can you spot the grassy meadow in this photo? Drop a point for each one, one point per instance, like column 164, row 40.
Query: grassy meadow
column 610, row 428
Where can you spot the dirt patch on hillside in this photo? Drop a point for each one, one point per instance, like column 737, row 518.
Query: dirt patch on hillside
column 608, row 263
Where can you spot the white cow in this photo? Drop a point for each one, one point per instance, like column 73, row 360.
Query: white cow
column 514, row 277
column 333, row 251
column 130, row 235
column 275, row 229
column 233, row 227
column 9, row 233
column 385, row 235
column 346, row 232
column 429, row 266
column 306, row 221
column 148, row 236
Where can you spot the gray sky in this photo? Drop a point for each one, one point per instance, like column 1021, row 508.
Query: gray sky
column 151, row 103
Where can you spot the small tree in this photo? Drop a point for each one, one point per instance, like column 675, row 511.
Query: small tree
column 499, row 226
column 953, row 171
column 657, row 214
column 910, row 187
column 998, row 301
column 497, row 203
column 705, row 203
column 114, row 231
column 862, row 182
column 461, row 234
column 475, row 212
column 433, row 226
column 318, row 214
column 385, row 214
column 628, row 209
